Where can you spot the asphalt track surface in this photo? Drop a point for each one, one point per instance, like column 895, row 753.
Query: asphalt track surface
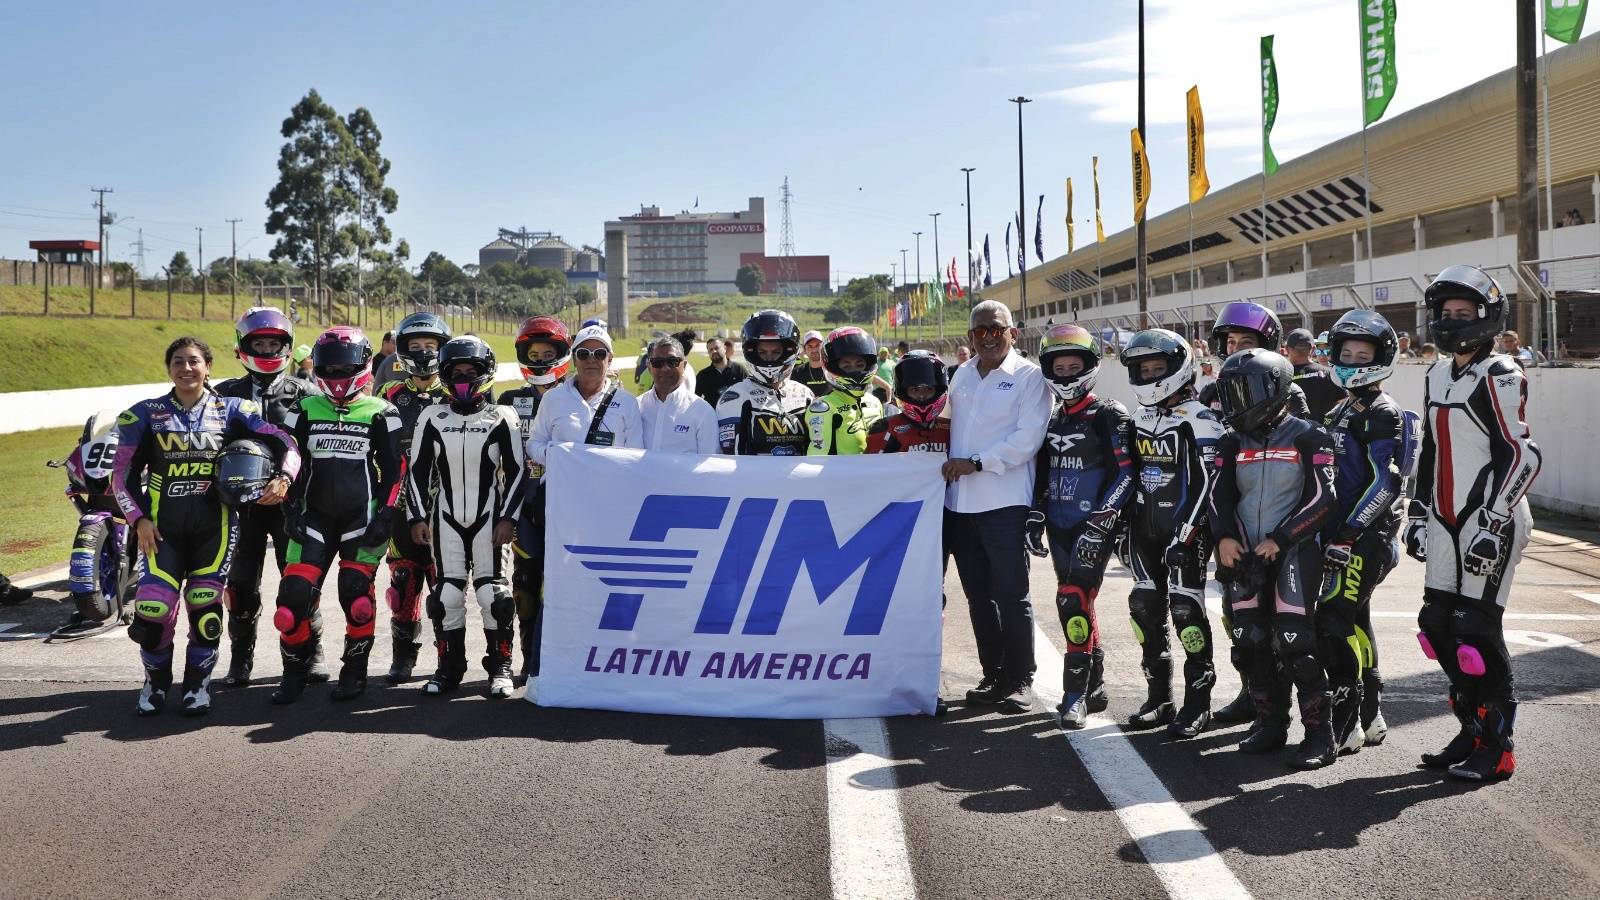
column 399, row 795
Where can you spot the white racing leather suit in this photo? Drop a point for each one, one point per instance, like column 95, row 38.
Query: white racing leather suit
column 756, row 419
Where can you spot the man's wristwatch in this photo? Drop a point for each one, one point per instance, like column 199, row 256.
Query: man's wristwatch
column 977, row 462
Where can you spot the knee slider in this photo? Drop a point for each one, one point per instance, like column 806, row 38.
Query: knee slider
column 145, row 633
column 1471, row 661
column 1305, row 668
column 1427, row 646
column 503, row 608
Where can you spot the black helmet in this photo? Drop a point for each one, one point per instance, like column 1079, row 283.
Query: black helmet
column 241, row 472
column 1158, row 343
column 920, row 368
column 844, row 342
column 771, row 325
column 1363, row 325
column 1254, row 389
column 420, row 363
column 1465, row 335
column 1242, row 315
column 467, row 349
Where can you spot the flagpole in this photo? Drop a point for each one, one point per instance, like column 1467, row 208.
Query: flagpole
column 1263, row 118
column 1549, row 174
column 1191, row 257
column 1022, row 210
column 1139, row 232
column 1366, row 176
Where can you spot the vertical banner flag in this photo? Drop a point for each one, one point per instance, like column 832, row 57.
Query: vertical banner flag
column 1009, row 272
column 1141, row 177
column 1199, row 184
column 1038, row 230
column 1022, row 244
column 1069, row 216
column 768, row 586
column 1269, row 105
column 1378, row 76
column 988, row 264
column 1099, row 226
column 1563, row 19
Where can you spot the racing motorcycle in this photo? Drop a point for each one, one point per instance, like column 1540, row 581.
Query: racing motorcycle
column 101, row 569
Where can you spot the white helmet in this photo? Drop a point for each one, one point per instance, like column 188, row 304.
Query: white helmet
column 1158, row 343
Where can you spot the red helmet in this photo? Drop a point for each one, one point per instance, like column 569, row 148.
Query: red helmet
column 544, row 330
column 341, row 360
column 264, row 321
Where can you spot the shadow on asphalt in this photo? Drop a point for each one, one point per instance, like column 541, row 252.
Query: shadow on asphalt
column 1286, row 818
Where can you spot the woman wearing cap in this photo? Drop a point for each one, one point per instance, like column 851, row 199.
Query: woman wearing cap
column 589, row 407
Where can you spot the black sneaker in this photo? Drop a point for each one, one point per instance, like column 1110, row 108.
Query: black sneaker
column 1015, row 699
column 1073, row 711
column 987, row 693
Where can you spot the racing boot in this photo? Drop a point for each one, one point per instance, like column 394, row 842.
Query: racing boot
column 296, row 673
column 1074, row 708
column 1317, row 749
column 196, row 691
column 353, row 674
column 153, row 696
column 318, row 671
column 530, row 650
column 1372, row 722
column 1465, row 741
column 1240, row 709
column 1270, row 731
column 1493, row 759
column 1347, row 731
column 242, row 649
column 1157, row 709
column 1195, row 714
column 1098, row 699
column 452, row 646
column 497, row 662
column 404, row 637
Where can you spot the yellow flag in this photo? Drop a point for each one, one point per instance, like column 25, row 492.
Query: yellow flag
column 1141, row 177
column 1069, row 215
column 1199, row 184
column 1099, row 227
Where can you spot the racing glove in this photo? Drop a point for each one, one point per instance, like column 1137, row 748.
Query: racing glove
column 380, row 528
column 1337, row 555
column 1486, row 551
column 1033, row 535
column 1125, row 548
column 1416, row 533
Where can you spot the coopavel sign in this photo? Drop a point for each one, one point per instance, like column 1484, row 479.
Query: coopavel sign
column 742, row 586
column 736, row 228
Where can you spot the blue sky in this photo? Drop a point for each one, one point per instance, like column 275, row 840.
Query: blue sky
column 560, row 116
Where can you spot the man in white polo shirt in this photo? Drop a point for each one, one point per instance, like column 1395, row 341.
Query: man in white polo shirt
column 999, row 407
column 675, row 420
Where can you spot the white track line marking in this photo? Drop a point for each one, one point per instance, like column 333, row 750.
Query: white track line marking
column 1585, row 595
column 866, row 840
column 1179, row 852
column 57, row 574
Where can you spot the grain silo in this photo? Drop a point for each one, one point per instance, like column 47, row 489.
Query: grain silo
column 551, row 253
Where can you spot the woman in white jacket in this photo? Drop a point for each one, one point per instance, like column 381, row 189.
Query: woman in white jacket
column 588, row 408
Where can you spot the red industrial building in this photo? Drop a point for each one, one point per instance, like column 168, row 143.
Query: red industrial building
column 810, row 272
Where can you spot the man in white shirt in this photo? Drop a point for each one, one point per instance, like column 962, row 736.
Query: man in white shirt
column 675, row 420
column 589, row 407
column 999, row 407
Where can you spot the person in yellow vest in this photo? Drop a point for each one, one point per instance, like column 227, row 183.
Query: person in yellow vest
column 839, row 420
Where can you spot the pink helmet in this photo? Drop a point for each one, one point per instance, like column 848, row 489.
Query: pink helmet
column 341, row 360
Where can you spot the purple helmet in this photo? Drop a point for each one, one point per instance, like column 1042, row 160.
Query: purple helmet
column 264, row 321
column 1242, row 315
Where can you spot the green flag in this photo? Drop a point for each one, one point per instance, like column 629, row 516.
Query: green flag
column 1269, row 105
column 1378, row 77
column 1563, row 19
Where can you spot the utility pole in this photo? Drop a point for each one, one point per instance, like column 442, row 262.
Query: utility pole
column 200, row 266
column 937, row 263
column 971, row 281
column 1139, row 251
column 1527, row 158
column 101, row 249
column 233, row 265
column 1022, row 211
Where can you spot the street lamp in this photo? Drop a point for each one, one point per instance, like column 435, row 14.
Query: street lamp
column 937, row 262
column 972, row 281
column 1022, row 243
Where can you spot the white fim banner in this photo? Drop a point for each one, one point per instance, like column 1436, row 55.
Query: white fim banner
column 767, row 587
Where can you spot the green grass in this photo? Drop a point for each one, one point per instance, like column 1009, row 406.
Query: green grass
column 81, row 352
column 39, row 520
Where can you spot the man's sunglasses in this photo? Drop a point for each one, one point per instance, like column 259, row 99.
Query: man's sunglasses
column 665, row 362
column 989, row 331
column 584, row 354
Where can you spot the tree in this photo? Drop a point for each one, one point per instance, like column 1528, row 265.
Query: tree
column 857, row 302
column 441, row 271
column 179, row 267
column 330, row 199
column 749, row 279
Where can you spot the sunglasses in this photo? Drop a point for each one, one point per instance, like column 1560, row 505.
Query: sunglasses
column 988, row 331
column 584, row 354
column 664, row 362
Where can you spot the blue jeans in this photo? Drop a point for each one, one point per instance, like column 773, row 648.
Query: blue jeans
column 993, row 567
